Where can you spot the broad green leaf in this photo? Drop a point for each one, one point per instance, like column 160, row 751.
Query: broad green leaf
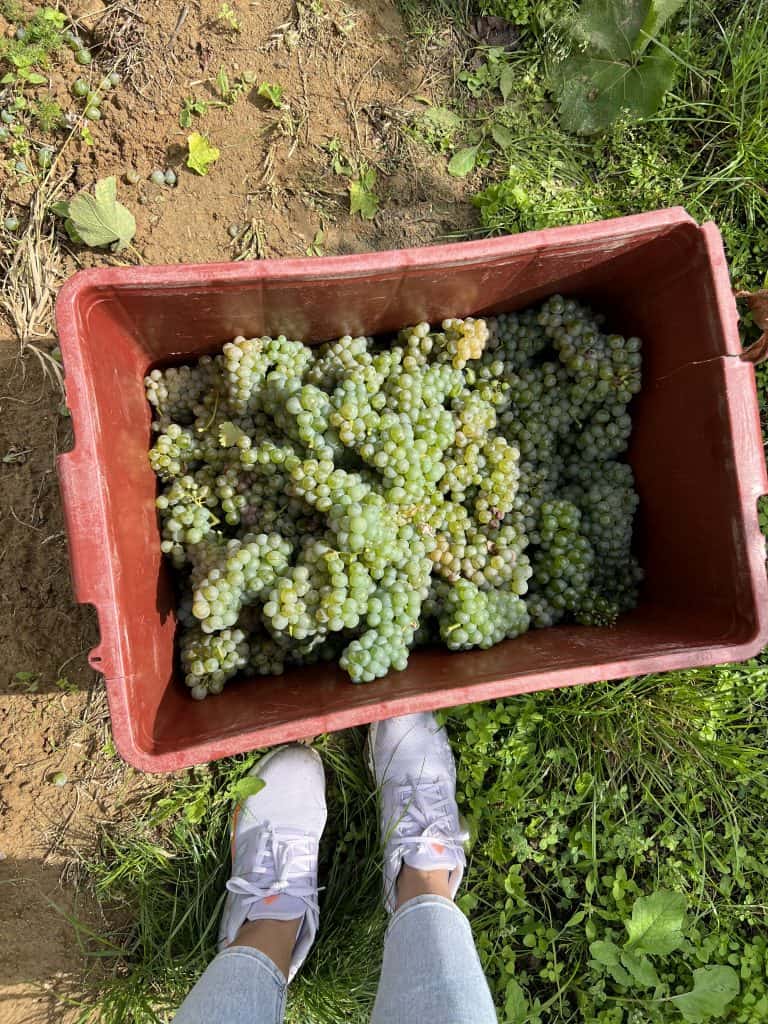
column 713, row 988
column 461, row 163
column 619, row 975
column 611, row 28
column 60, row 209
column 34, row 78
column 502, row 136
column 641, row 969
column 362, row 198
column 659, row 13
column 229, row 434
column 273, row 93
column 606, row 953
column 72, row 232
column 99, row 219
column 201, row 153
column 250, row 785
column 656, row 924
column 506, row 82
column 195, row 810
column 575, row 919
column 516, row 1006
column 441, row 118
column 609, row 955
column 592, row 91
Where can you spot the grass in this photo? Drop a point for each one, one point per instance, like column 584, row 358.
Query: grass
column 705, row 149
column 578, row 802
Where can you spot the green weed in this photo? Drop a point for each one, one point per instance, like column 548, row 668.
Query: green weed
column 529, row 14
column 705, row 149
column 226, row 18
column 272, row 93
column 47, row 114
column 229, row 90
column 362, row 195
column 582, row 800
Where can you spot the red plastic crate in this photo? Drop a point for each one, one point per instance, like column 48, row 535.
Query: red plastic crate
column 696, row 451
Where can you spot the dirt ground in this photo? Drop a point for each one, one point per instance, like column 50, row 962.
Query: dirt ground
column 349, row 73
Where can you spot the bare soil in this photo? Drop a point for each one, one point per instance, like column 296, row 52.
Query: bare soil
column 349, row 73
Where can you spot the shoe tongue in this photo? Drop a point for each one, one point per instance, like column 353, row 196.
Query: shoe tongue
column 431, row 855
column 279, row 907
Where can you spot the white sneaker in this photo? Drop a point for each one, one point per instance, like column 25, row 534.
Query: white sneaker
column 413, row 766
column 275, row 838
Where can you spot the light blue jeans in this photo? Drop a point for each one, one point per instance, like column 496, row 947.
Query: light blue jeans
column 431, row 972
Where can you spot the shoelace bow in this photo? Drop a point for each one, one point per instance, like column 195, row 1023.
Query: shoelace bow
column 287, row 857
column 417, row 826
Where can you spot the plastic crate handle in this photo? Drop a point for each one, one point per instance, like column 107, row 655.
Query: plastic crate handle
column 83, row 497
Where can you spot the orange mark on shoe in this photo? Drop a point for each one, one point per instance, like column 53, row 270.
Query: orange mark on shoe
column 438, row 847
column 271, row 899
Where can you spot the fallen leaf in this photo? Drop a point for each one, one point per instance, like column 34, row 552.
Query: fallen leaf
column 757, row 301
column 99, row 219
column 758, row 306
column 229, row 434
column 202, row 155
column 758, row 351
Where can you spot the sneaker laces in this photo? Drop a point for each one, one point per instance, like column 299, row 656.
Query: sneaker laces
column 286, row 857
column 418, row 825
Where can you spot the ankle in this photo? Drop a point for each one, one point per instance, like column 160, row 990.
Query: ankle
column 275, row 939
column 413, row 882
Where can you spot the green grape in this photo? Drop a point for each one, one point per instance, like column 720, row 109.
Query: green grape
column 355, row 501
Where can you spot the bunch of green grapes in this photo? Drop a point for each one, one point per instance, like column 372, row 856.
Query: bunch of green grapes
column 350, row 502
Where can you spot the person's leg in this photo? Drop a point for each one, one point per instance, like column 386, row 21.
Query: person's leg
column 431, row 970
column 270, row 917
column 240, row 986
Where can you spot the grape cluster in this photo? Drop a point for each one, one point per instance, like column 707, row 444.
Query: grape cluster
column 351, row 502
column 227, row 576
column 565, row 564
column 210, row 659
column 471, row 617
